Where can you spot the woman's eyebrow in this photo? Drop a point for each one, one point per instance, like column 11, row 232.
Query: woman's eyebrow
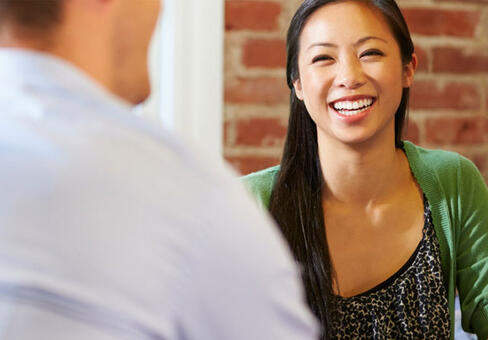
column 324, row 44
column 363, row 40
column 357, row 43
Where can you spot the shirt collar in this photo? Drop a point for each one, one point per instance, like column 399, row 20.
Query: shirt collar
column 26, row 67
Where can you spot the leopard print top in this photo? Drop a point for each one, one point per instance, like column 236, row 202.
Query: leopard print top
column 412, row 304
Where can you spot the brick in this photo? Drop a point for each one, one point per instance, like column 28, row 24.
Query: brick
column 269, row 53
column 252, row 15
column 225, row 134
column 423, row 59
column 411, row 132
column 461, row 86
column 459, row 96
column 429, row 21
column 257, row 91
column 247, row 164
column 481, row 162
column 460, row 131
column 260, row 132
column 460, row 60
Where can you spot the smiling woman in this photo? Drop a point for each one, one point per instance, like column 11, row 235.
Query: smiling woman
column 355, row 65
column 385, row 231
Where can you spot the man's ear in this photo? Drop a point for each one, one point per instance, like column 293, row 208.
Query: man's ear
column 297, row 84
column 409, row 71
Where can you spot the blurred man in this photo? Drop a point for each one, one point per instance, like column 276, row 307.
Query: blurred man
column 110, row 229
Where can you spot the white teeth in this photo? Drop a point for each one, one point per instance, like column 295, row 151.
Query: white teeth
column 352, row 112
column 350, row 108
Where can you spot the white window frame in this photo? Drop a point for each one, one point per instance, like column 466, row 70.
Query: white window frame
column 187, row 71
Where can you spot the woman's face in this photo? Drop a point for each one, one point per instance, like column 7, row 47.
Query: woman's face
column 351, row 73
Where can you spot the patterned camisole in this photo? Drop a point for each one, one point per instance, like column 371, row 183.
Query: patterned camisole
column 412, row 304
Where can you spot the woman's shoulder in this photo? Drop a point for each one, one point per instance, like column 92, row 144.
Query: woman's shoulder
column 446, row 168
column 442, row 162
column 432, row 157
column 260, row 184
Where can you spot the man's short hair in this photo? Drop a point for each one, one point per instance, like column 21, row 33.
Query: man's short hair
column 30, row 14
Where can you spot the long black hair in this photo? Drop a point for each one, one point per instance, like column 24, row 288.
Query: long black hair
column 296, row 200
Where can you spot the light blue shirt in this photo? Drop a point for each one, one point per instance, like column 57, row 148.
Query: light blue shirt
column 111, row 229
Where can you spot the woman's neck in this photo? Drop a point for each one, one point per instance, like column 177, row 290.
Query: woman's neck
column 363, row 173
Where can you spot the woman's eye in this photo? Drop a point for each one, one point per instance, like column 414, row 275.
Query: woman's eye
column 372, row 53
column 321, row 58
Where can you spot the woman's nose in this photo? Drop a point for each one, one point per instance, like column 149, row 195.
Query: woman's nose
column 350, row 75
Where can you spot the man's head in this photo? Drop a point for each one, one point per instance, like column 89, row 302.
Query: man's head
column 32, row 14
column 109, row 39
column 28, row 19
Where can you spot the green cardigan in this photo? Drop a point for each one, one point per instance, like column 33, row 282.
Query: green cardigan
column 458, row 197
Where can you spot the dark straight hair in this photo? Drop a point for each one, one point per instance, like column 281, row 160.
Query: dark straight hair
column 296, row 200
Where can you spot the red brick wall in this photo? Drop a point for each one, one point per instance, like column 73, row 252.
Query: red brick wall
column 449, row 105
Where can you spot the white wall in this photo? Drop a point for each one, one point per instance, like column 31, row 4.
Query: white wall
column 187, row 71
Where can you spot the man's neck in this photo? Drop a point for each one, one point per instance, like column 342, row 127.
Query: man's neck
column 89, row 55
column 16, row 37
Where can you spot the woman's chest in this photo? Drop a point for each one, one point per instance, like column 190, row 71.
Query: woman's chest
column 410, row 304
column 367, row 248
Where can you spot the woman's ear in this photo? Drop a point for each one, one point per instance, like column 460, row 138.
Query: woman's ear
column 297, row 84
column 409, row 71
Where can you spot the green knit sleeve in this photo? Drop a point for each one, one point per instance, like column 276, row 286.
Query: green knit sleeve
column 261, row 183
column 472, row 248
